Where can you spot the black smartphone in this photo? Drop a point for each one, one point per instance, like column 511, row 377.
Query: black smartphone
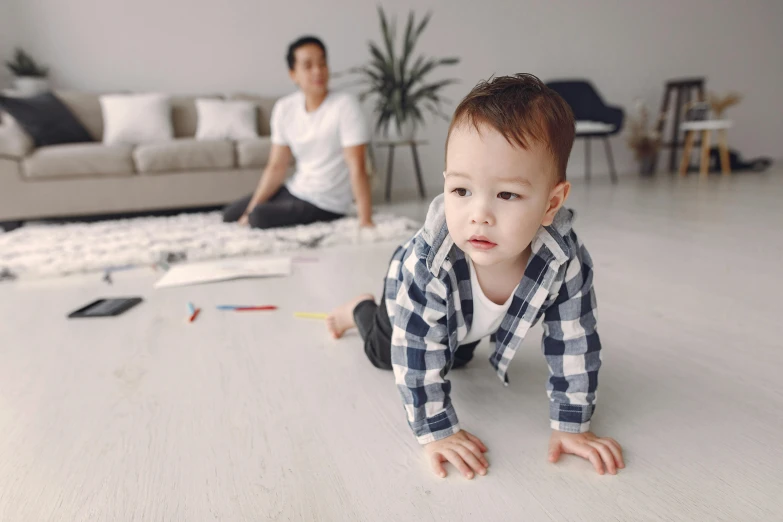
column 106, row 307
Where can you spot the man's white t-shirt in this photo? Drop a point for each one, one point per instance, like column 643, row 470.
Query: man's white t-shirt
column 317, row 140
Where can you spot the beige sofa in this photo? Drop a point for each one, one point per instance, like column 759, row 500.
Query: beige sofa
column 91, row 178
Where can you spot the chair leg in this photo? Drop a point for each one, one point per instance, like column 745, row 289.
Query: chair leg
column 417, row 165
column 686, row 154
column 676, row 131
column 725, row 164
column 587, row 158
column 704, row 168
column 610, row 158
column 389, row 168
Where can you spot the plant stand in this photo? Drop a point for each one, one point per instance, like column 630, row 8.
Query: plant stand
column 393, row 144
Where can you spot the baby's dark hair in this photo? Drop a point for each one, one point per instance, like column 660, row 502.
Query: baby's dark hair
column 290, row 57
column 523, row 109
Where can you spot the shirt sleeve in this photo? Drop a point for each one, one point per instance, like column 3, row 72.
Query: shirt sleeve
column 420, row 352
column 276, row 122
column 572, row 347
column 353, row 124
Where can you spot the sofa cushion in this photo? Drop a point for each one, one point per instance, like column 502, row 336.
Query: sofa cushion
column 253, row 153
column 14, row 141
column 184, row 115
column 136, row 118
column 184, row 154
column 87, row 109
column 79, row 160
column 46, row 119
column 264, row 105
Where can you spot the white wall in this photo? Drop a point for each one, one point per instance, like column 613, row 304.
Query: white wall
column 628, row 49
column 7, row 37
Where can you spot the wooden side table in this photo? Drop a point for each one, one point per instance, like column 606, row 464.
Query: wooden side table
column 706, row 127
column 393, row 144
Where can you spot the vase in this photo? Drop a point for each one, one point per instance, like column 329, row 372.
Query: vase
column 646, row 166
column 405, row 132
column 30, row 85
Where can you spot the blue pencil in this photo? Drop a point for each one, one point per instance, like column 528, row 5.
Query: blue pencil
column 191, row 309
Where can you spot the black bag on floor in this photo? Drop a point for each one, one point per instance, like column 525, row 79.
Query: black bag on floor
column 735, row 161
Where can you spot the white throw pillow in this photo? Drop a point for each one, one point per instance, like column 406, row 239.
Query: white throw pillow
column 136, row 118
column 226, row 119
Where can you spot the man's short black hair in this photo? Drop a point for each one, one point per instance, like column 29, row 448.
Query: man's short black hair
column 305, row 40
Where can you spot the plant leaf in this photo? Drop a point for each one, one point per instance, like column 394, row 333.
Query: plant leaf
column 408, row 44
column 422, row 25
column 388, row 37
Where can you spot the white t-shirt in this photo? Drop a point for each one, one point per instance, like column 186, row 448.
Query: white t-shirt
column 317, row 140
column 487, row 315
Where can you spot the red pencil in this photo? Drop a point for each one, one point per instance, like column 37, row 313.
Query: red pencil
column 195, row 314
column 254, row 308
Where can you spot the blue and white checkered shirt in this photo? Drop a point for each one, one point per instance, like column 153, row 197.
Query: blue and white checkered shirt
column 429, row 300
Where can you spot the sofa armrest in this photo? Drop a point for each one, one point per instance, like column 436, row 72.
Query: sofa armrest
column 14, row 141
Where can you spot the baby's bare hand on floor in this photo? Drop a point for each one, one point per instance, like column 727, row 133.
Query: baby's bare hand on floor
column 463, row 450
column 604, row 453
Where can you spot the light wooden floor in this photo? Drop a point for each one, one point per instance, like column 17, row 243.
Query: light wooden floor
column 262, row 417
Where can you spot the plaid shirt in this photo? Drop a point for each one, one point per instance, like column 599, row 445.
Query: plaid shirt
column 429, row 298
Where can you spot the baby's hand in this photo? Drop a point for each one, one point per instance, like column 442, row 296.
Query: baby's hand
column 600, row 451
column 463, row 450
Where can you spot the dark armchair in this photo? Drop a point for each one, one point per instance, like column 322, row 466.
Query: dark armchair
column 594, row 119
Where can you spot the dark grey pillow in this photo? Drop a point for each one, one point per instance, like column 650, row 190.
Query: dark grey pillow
column 46, row 119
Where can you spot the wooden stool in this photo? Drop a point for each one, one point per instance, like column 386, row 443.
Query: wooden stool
column 682, row 89
column 706, row 127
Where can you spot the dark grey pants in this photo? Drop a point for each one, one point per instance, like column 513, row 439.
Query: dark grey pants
column 282, row 210
column 374, row 326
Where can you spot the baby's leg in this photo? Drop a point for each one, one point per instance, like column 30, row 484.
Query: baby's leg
column 341, row 319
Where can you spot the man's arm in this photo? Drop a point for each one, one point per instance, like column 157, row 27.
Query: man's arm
column 360, row 183
column 273, row 176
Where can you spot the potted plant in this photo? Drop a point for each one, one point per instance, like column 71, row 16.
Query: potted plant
column 644, row 140
column 398, row 82
column 30, row 76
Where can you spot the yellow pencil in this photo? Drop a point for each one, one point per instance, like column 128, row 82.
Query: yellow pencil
column 307, row 315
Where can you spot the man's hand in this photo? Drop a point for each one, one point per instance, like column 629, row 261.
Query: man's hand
column 600, row 451
column 463, row 450
column 244, row 220
column 367, row 224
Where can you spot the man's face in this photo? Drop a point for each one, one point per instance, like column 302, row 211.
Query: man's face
column 310, row 72
column 497, row 195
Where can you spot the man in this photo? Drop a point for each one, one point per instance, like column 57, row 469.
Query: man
column 327, row 135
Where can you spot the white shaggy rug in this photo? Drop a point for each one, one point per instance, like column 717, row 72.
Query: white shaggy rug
column 48, row 250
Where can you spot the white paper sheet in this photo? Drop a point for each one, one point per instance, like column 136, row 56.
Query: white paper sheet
column 224, row 270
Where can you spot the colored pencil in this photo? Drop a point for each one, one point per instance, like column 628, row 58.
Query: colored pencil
column 245, row 308
column 191, row 309
column 195, row 314
column 308, row 315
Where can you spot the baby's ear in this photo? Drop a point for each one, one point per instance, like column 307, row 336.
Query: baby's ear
column 557, row 197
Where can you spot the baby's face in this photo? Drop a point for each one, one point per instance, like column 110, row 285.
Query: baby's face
column 496, row 195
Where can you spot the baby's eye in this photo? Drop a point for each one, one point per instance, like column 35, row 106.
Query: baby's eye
column 461, row 192
column 508, row 196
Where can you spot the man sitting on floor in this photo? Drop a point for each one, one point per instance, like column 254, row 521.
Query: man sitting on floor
column 327, row 135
